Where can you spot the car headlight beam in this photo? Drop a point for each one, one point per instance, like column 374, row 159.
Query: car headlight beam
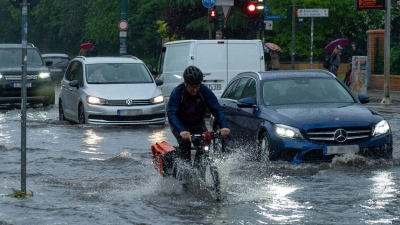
column 157, row 99
column 44, row 75
column 381, row 128
column 288, row 131
column 95, row 100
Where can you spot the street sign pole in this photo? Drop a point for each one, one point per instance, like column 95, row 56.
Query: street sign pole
column 313, row 13
column 122, row 38
column 23, row 93
column 209, row 4
column 293, row 32
column 312, row 41
column 386, row 54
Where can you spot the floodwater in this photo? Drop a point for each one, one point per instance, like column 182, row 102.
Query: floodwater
column 90, row 174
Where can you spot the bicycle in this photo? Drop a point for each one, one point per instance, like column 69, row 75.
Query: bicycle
column 166, row 162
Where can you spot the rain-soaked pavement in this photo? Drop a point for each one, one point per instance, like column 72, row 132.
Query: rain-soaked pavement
column 90, row 174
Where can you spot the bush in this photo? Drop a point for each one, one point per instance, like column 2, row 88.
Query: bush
column 394, row 62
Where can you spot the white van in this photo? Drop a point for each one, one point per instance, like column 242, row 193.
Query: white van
column 220, row 61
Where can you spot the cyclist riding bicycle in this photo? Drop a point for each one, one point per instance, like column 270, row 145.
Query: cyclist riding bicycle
column 187, row 108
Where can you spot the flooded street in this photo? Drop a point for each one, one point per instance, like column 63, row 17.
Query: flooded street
column 91, row 174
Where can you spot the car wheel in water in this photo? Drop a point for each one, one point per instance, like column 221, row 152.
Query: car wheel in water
column 264, row 148
column 81, row 115
column 61, row 115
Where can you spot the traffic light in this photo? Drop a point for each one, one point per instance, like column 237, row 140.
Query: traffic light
column 212, row 16
column 220, row 18
column 301, row 23
column 260, row 15
column 251, row 11
column 289, row 13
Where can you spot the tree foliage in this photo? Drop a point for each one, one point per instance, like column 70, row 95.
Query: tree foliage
column 60, row 26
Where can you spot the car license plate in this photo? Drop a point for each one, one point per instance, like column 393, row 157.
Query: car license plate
column 18, row 85
column 341, row 149
column 129, row 112
column 214, row 86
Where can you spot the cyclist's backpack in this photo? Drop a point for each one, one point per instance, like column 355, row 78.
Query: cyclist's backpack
column 163, row 157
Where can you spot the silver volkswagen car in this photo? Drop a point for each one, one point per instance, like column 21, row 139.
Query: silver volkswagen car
column 110, row 90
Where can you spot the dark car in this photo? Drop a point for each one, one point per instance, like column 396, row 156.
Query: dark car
column 60, row 64
column 40, row 88
column 301, row 116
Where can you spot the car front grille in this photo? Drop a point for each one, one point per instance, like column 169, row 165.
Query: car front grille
column 327, row 136
column 131, row 103
column 19, row 77
column 127, row 118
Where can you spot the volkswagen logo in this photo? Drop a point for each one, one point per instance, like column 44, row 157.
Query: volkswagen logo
column 340, row 135
column 128, row 101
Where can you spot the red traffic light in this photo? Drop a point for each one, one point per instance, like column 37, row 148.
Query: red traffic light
column 251, row 7
column 213, row 13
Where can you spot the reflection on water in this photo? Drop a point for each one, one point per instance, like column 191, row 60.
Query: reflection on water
column 87, row 174
column 93, row 142
column 157, row 136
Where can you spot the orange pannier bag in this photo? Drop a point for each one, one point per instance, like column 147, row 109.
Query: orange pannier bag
column 163, row 157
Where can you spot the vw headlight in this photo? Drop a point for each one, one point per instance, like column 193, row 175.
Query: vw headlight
column 381, row 128
column 288, row 132
column 157, row 99
column 1, row 76
column 44, row 75
column 96, row 101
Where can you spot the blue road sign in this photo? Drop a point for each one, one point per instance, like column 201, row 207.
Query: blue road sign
column 209, row 3
column 273, row 17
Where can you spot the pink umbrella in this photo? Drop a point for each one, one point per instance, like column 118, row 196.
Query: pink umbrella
column 87, row 45
column 340, row 41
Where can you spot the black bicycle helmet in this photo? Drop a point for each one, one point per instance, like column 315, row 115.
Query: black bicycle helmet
column 193, row 75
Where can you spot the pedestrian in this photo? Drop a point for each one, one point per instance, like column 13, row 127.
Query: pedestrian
column 274, row 65
column 355, row 52
column 219, row 34
column 83, row 52
column 187, row 109
column 335, row 60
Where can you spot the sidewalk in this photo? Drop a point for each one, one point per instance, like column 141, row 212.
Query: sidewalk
column 376, row 97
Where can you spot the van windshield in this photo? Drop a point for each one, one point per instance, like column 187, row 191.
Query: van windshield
column 13, row 57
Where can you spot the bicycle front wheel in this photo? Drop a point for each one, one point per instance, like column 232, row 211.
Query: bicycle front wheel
column 212, row 182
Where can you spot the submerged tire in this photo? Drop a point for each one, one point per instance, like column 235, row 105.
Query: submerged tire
column 61, row 115
column 264, row 148
column 81, row 115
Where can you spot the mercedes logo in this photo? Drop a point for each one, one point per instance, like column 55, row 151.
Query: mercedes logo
column 340, row 135
column 128, row 101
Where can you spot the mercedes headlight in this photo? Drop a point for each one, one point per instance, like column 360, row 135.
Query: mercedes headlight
column 44, row 75
column 288, row 132
column 157, row 99
column 381, row 128
column 96, row 101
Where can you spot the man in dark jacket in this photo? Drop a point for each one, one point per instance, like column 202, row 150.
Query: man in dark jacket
column 187, row 108
column 335, row 60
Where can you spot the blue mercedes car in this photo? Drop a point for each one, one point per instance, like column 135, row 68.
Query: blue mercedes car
column 301, row 116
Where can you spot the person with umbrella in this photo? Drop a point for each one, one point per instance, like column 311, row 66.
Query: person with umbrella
column 274, row 51
column 356, row 52
column 335, row 60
